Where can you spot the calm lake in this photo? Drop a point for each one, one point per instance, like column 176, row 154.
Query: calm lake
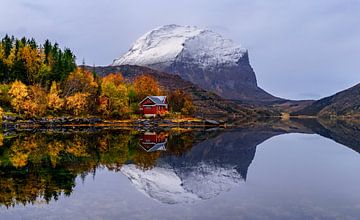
column 274, row 170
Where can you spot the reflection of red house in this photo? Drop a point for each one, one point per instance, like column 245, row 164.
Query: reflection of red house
column 152, row 106
column 150, row 141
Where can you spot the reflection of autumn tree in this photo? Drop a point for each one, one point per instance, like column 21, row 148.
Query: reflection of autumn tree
column 20, row 187
column 145, row 160
column 114, row 150
column 179, row 143
column 1, row 139
column 77, row 147
column 54, row 148
column 20, row 152
column 45, row 165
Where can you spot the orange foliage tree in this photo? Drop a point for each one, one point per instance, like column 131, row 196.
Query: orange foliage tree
column 145, row 85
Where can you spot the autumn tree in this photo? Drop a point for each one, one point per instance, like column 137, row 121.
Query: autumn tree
column 114, row 98
column 145, row 85
column 19, row 94
column 36, row 103
column 77, row 103
column 180, row 101
column 5, row 98
column 28, row 100
column 80, row 81
column 54, row 101
column 32, row 60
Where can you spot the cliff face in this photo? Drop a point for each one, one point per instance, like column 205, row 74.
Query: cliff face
column 200, row 56
column 236, row 82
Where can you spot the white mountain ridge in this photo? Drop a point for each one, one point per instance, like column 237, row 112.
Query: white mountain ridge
column 168, row 186
column 164, row 45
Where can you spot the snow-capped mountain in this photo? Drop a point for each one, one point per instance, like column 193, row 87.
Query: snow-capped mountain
column 200, row 56
column 165, row 45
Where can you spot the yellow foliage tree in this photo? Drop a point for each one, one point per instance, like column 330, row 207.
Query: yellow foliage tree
column 2, row 53
column 80, row 81
column 32, row 59
column 77, row 103
column 19, row 94
column 29, row 100
column 36, row 103
column 114, row 95
column 9, row 61
column 54, row 101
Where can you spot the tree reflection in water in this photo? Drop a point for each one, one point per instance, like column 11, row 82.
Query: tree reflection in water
column 43, row 166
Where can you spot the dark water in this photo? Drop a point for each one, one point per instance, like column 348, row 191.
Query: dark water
column 274, row 170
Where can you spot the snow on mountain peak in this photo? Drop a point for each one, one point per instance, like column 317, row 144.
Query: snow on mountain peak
column 164, row 45
column 159, row 183
column 172, row 186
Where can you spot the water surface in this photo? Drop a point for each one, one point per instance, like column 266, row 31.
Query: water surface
column 269, row 171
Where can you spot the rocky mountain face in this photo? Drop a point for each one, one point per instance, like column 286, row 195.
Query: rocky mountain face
column 344, row 103
column 200, row 56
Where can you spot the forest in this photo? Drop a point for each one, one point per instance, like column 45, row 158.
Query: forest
column 39, row 80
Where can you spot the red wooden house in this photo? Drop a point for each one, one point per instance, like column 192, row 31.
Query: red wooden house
column 151, row 141
column 152, row 106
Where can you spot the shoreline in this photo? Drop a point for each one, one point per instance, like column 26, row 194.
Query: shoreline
column 17, row 124
column 11, row 123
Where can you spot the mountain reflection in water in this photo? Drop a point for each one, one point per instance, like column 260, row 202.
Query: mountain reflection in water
column 178, row 166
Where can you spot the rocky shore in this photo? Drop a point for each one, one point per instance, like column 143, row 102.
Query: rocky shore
column 11, row 123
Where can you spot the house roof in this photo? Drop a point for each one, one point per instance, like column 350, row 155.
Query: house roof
column 159, row 100
column 156, row 147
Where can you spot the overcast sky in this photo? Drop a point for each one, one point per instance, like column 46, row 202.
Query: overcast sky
column 298, row 49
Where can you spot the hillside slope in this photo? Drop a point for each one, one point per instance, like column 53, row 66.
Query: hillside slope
column 344, row 103
column 206, row 103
